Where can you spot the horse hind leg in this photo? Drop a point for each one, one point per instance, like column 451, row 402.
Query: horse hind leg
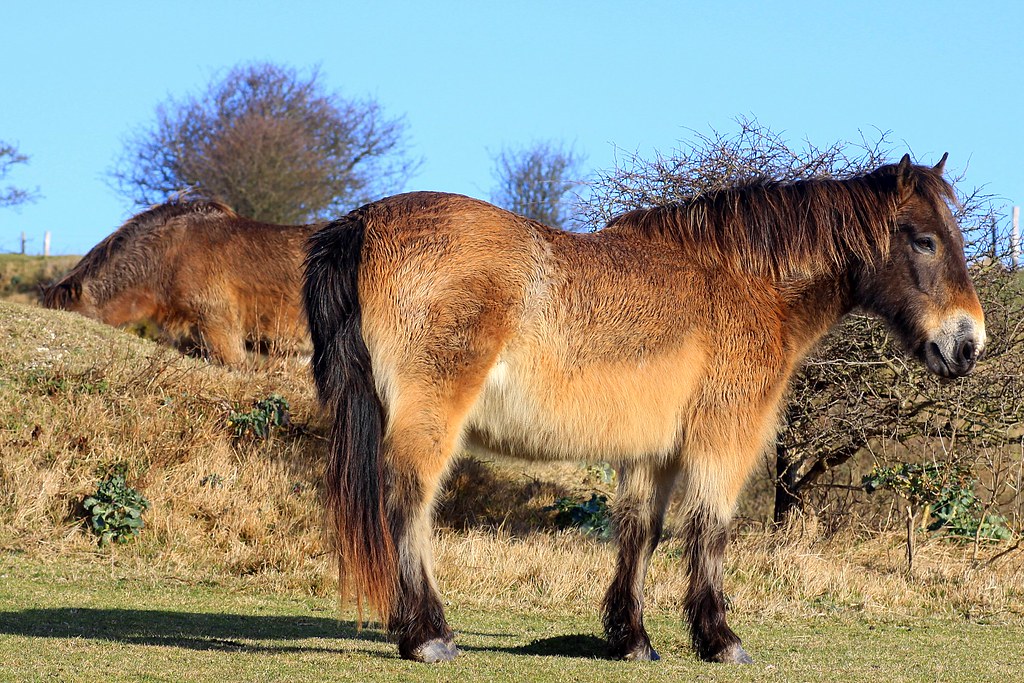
column 416, row 620
column 639, row 513
column 423, row 436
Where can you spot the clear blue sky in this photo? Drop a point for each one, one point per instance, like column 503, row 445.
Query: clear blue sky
column 76, row 77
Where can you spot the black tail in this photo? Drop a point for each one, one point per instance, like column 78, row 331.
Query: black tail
column 343, row 373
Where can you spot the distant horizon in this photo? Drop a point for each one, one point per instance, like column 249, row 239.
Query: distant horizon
column 471, row 78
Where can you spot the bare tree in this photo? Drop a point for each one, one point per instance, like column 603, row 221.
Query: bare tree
column 271, row 143
column 10, row 195
column 535, row 181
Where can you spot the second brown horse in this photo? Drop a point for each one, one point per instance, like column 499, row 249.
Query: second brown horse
column 205, row 275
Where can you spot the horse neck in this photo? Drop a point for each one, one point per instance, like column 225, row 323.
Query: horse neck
column 814, row 305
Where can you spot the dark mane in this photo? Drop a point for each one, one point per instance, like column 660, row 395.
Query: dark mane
column 130, row 237
column 781, row 229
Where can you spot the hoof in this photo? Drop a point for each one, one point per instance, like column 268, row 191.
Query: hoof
column 642, row 653
column 639, row 651
column 435, row 650
column 734, row 654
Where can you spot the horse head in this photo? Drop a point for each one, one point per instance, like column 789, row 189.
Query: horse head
column 921, row 285
column 66, row 294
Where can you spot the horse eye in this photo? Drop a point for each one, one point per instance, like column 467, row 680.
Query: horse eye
column 924, row 244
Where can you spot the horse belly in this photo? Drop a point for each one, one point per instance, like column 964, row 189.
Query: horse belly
column 604, row 411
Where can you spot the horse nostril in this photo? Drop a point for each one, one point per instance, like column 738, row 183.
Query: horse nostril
column 967, row 351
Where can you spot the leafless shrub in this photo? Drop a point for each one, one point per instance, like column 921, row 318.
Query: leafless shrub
column 269, row 142
column 10, row 195
column 716, row 161
column 535, row 181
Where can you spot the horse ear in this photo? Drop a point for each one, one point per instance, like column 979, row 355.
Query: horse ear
column 904, row 181
column 941, row 166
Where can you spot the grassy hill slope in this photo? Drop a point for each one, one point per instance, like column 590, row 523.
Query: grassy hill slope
column 79, row 400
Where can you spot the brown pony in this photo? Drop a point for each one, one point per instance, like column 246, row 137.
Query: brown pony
column 664, row 343
column 205, row 275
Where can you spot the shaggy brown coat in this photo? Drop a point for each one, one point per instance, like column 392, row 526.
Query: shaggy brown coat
column 205, row 275
column 664, row 343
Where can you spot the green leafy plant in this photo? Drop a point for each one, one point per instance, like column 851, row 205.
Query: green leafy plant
column 266, row 415
column 962, row 516
column 948, row 494
column 115, row 510
column 592, row 517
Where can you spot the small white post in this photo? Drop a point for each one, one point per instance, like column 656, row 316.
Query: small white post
column 23, row 240
column 46, row 243
column 1015, row 239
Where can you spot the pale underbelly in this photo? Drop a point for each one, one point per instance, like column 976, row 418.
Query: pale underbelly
column 608, row 411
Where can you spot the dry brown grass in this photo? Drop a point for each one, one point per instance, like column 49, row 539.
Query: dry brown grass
column 78, row 399
column 768, row 575
column 81, row 399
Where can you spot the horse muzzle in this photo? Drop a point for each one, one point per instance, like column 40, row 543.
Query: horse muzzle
column 954, row 349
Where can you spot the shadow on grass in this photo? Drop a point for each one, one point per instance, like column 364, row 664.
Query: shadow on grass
column 243, row 633
column 579, row 646
column 194, row 631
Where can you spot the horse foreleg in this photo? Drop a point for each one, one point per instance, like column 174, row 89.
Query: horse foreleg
column 639, row 514
column 221, row 337
column 713, row 640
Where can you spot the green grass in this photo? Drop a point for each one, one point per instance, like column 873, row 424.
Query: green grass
column 86, row 619
column 20, row 276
